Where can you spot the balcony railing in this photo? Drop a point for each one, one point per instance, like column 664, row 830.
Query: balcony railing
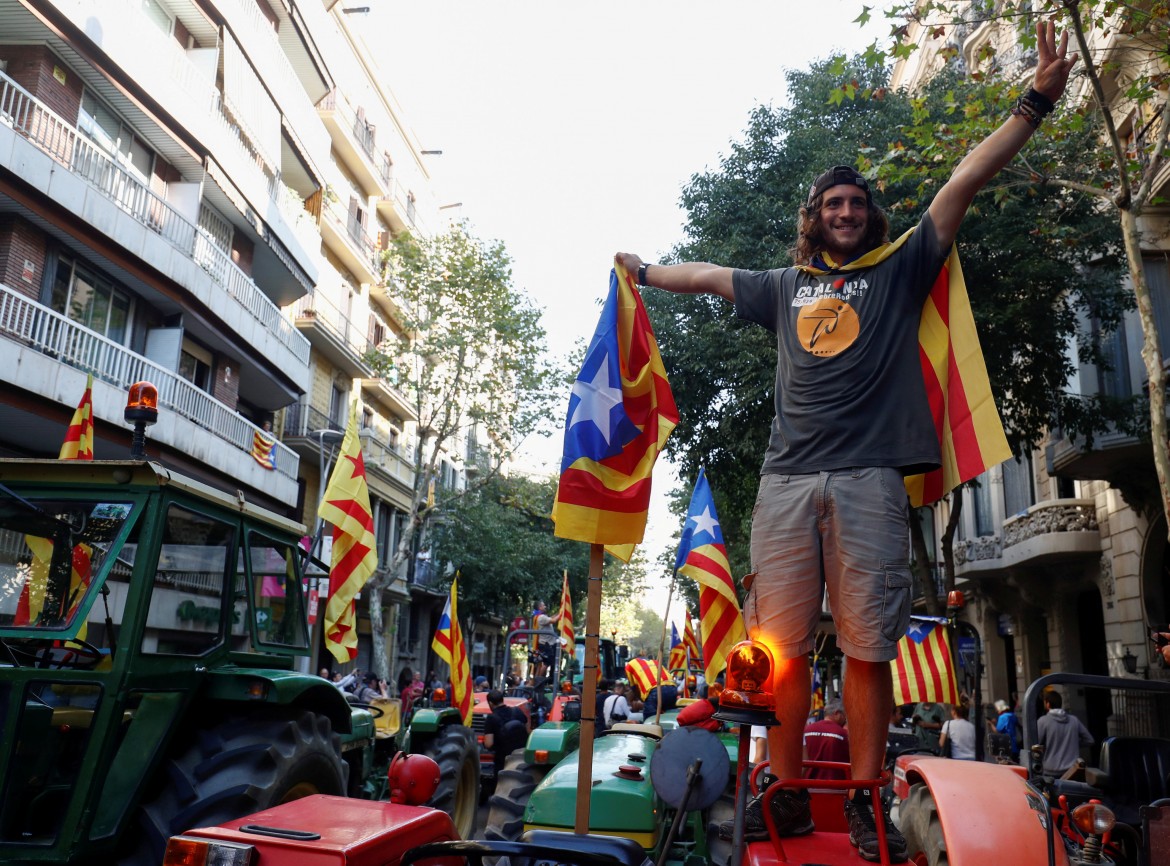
column 355, row 234
column 329, row 318
column 1063, row 515
column 51, row 333
column 301, row 420
column 69, row 147
column 390, row 459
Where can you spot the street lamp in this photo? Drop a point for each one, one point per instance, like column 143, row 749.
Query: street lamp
column 1129, row 662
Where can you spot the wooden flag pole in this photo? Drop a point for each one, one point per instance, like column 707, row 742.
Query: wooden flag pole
column 661, row 646
column 589, row 688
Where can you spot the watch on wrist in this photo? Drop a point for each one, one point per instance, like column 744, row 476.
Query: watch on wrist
column 642, row 274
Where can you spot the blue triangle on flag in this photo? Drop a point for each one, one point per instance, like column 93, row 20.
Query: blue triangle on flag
column 920, row 631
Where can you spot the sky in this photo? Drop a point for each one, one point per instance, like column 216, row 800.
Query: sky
column 568, row 132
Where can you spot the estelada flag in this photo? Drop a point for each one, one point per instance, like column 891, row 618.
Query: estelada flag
column 565, row 617
column 449, row 645
column 970, row 434
column 923, row 670
column 703, row 556
column 78, row 445
column 641, row 672
column 678, row 651
column 690, row 643
column 346, row 505
column 264, row 449
column 621, row 412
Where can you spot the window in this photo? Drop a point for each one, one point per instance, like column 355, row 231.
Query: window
column 107, row 130
column 90, row 300
column 195, row 365
column 186, row 603
column 981, row 506
column 338, row 411
column 1017, row 485
column 276, row 592
column 1157, row 270
column 157, row 14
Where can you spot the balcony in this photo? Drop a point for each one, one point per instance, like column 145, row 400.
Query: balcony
column 390, row 463
column 388, row 395
column 355, row 140
column 26, row 119
column 46, row 341
column 1052, row 531
column 978, row 556
column 345, row 235
column 332, row 333
column 400, row 211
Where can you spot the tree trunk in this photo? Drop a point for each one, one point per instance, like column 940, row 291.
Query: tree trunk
column 1151, row 355
column 377, row 632
column 948, row 539
column 921, row 565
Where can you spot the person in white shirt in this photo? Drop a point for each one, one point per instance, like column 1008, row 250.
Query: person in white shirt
column 616, row 708
column 959, row 733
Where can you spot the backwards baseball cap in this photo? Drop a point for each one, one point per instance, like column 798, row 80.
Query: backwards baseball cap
column 836, row 175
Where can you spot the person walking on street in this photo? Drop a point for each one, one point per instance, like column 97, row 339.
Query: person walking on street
column 928, row 720
column 957, row 738
column 852, row 418
column 1062, row 735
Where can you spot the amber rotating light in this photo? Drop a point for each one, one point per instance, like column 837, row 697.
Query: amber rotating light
column 748, row 694
column 141, row 411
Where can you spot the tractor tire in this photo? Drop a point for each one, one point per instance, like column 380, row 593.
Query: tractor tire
column 514, row 786
column 455, row 751
column 723, row 809
column 239, row 765
column 919, row 823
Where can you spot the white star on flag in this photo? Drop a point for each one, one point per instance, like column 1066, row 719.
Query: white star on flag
column 598, row 398
column 705, row 522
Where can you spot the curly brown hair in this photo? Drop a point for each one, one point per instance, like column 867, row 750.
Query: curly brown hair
column 810, row 240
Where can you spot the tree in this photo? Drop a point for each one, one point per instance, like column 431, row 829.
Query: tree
column 470, row 361
column 1029, row 296
column 1116, row 116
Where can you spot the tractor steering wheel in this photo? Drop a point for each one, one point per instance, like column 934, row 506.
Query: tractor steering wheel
column 376, row 712
column 78, row 653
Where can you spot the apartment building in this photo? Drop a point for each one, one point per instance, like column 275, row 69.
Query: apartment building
column 1063, row 553
column 197, row 193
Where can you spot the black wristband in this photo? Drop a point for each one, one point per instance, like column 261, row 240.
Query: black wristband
column 1046, row 105
column 642, row 274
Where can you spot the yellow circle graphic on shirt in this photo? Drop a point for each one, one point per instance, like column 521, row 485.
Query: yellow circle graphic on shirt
column 827, row 327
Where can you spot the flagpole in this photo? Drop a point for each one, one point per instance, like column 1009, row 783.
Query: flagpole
column 661, row 645
column 589, row 688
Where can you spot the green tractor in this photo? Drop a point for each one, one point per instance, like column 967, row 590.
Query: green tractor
column 152, row 633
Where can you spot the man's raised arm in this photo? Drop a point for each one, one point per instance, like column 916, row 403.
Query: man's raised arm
column 689, row 278
column 997, row 150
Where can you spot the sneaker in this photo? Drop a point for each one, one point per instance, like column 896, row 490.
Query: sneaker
column 863, row 833
column 790, row 810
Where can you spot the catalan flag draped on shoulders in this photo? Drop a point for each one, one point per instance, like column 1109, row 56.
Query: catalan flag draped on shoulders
column 967, row 424
column 621, row 412
column 346, row 505
column 646, row 674
column 923, row 670
column 702, row 556
column 449, row 645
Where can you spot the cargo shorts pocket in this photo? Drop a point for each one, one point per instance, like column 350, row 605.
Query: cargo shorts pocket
column 896, row 602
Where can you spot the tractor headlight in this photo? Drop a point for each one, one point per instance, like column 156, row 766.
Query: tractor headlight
column 1093, row 818
column 188, row 851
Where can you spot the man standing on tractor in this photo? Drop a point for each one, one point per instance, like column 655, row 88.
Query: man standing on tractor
column 852, row 419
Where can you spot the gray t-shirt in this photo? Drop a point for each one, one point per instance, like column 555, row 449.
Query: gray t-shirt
column 849, row 389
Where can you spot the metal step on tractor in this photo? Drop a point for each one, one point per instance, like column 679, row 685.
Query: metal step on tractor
column 152, row 632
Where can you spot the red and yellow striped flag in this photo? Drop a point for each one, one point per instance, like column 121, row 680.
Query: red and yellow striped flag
column 346, row 505
column 264, row 449
column 970, row 434
column 449, row 645
column 690, row 643
column 923, row 670
column 702, row 556
column 565, row 618
column 678, row 652
column 621, row 412
column 641, row 672
column 78, row 445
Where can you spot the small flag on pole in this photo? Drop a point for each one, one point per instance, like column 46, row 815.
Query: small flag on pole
column 449, row 645
column 923, row 670
column 702, row 556
column 689, row 642
column 565, row 617
column 78, row 444
column 678, row 651
column 346, row 505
